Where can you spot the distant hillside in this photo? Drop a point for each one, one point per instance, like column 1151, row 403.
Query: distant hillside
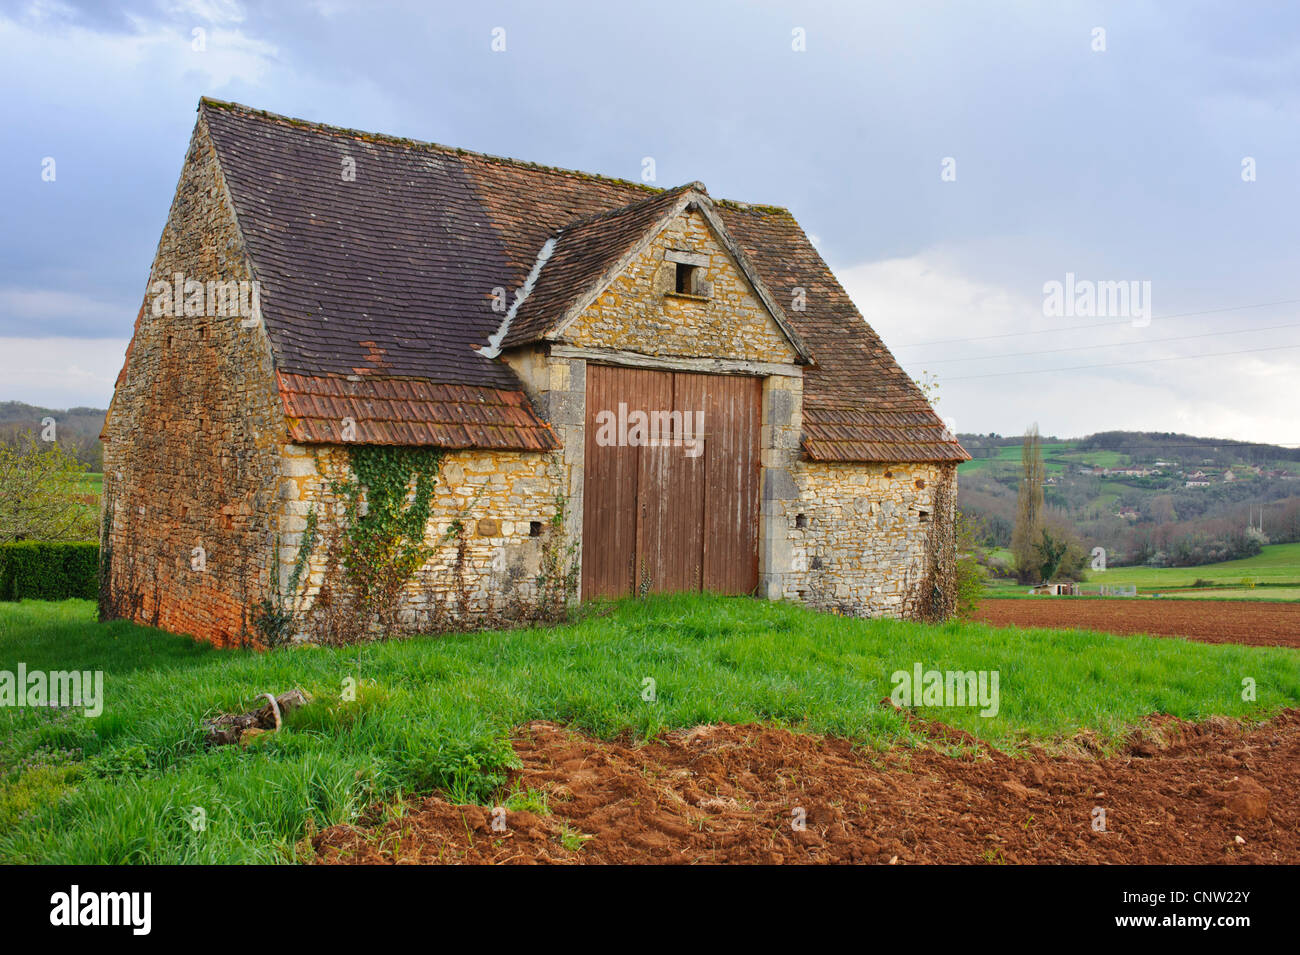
column 76, row 429
column 1146, row 497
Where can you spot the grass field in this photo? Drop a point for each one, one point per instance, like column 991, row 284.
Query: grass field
column 1056, row 457
column 1274, row 575
column 436, row 713
column 1278, row 563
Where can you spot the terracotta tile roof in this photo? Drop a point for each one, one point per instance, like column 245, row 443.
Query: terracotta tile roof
column 378, row 291
column 859, row 404
column 410, row 411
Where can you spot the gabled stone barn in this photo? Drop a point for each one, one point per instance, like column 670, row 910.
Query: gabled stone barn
column 681, row 378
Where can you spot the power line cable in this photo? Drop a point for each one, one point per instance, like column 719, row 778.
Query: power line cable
column 1072, row 328
column 1054, row 351
column 1117, row 364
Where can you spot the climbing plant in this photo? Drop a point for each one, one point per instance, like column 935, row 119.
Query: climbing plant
column 933, row 598
column 386, row 498
column 557, row 582
column 273, row 616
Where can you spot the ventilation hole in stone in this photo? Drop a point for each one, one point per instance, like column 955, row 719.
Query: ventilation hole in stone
column 685, row 279
column 816, row 563
column 534, row 528
column 924, row 517
column 801, row 521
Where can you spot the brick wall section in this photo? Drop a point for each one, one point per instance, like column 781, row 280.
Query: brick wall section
column 193, row 435
column 634, row 314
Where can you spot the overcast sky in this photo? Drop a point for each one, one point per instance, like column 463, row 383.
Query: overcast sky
column 949, row 159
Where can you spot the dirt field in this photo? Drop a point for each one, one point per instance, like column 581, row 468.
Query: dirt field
column 1181, row 793
column 1257, row 624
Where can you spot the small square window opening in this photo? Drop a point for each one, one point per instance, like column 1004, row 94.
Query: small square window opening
column 686, row 279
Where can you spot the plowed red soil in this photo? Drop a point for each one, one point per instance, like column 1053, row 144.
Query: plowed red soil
column 1212, row 621
column 1211, row 792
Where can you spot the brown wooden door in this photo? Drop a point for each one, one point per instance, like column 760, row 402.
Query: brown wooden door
column 682, row 513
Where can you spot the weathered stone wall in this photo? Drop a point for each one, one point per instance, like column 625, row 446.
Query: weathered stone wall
column 858, row 534
column 196, row 455
column 502, row 501
column 845, row 537
column 557, row 388
column 191, row 457
column 782, row 429
column 639, row 312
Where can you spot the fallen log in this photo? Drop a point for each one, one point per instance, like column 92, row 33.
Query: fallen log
column 235, row 727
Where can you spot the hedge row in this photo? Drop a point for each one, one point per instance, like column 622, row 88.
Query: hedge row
column 44, row 570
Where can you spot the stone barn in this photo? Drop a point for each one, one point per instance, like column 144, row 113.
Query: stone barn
column 422, row 386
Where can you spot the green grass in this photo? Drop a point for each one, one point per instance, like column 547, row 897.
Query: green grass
column 1264, row 592
column 1278, row 563
column 1057, row 456
column 136, row 784
column 1275, row 574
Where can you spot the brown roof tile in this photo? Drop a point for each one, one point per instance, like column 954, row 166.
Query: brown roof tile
column 395, row 411
column 390, row 278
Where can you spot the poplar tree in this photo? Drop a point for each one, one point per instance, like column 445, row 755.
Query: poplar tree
column 1029, row 509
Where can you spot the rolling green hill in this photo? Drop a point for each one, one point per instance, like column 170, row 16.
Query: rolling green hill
column 1147, row 498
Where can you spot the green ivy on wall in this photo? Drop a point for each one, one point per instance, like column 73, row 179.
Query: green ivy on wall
column 387, row 500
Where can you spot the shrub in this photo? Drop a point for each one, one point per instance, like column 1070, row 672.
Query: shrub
column 40, row 487
column 49, row 570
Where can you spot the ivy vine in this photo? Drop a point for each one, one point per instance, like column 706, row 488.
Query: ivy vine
column 387, row 500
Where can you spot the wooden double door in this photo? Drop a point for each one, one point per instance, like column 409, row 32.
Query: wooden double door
column 672, row 469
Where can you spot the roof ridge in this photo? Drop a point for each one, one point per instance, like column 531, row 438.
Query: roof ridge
column 596, row 217
column 265, row 114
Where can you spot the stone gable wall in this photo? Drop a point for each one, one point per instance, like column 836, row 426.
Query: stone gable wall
column 194, row 432
column 635, row 314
